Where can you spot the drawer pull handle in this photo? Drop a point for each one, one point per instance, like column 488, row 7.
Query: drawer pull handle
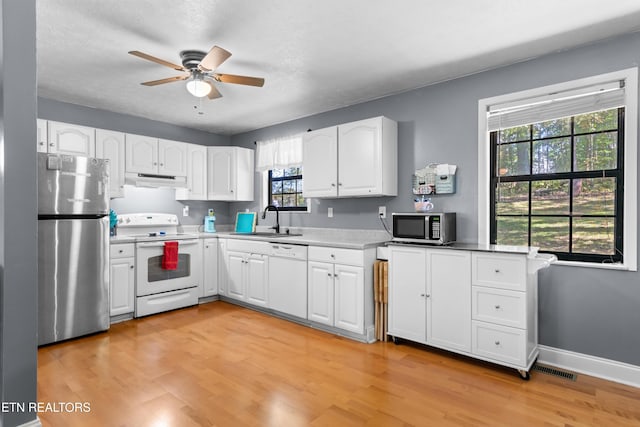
column 329, row 274
column 120, row 251
column 498, row 307
column 423, row 295
column 497, row 343
column 332, row 256
column 497, row 270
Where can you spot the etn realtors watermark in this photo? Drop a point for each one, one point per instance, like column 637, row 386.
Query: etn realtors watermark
column 60, row 407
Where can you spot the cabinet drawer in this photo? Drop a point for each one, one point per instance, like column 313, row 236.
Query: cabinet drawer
column 249, row 246
column 499, row 306
column 499, row 343
column 337, row 255
column 499, row 271
column 124, row 250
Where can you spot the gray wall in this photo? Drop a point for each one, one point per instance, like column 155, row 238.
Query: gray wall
column 142, row 199
column 589, row 311
column 18, row 210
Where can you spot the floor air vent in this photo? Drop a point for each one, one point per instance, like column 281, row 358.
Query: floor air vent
column 555, row 372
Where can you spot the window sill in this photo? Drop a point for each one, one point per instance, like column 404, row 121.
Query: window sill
column 580, row 264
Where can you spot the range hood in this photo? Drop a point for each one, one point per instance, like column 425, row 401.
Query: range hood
column 155, row 181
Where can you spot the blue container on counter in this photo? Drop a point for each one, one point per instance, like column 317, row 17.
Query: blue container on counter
column 209, row 224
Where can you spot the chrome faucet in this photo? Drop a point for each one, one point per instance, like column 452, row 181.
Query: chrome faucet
column 274, row 208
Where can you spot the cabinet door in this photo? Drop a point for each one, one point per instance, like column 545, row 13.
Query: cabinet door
column 196, row 174
column 235, row 275
column 210, row 267
column 320, row 168
column 223, row 269
column 221, row 173
column 110, row 145
column 172, row 158
column 359, row 158
column 256, row 279
column 71, row 139
column 349, row 298
column 141, row 154
column 121, row 283
column 42, row 135
column 407, row 293
column 321, row 292
column 449, row 299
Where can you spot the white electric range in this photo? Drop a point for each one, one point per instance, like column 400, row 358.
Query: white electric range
column 159, row 289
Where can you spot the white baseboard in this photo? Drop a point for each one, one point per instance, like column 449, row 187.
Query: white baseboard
column 611, row 370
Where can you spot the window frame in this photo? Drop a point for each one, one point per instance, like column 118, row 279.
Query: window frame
column 629, row 214
column 531, row 177
column 269, row 194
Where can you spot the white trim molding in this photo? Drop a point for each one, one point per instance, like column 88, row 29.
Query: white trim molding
column 598, row 367
column 630, row 77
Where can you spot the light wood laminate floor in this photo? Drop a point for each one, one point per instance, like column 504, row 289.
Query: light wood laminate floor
column 222, row 365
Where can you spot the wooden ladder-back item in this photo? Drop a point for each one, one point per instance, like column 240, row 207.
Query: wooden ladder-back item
column 380, row 292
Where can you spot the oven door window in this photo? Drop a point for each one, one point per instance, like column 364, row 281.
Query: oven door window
column 156, row 273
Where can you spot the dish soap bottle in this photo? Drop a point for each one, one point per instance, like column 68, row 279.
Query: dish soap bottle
column 210, row 222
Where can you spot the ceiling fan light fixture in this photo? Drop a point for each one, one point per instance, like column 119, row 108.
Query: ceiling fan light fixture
column 198, row 87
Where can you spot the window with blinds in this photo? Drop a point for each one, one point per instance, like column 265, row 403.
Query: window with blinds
column 556, row 169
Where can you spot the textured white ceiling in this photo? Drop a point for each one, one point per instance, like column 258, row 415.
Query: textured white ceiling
column 314, row 55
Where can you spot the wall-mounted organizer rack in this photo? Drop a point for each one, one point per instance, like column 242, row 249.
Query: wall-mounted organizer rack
column 435, row 178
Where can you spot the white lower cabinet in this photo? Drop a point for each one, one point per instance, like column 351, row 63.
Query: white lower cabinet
column 247, row 270
column 480, row 304
column 209, row 267
column 122, row 279
column 336, row 290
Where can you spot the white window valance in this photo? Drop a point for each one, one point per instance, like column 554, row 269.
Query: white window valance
column 557, row 105
column 279, row 153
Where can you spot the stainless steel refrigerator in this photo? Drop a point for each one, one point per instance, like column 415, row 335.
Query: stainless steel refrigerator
column 73, row 246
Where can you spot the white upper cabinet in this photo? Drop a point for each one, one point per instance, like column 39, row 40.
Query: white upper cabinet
column 172, row 158
column 71, row 139
column 141, row 154
column 154, row 156
column 196, row 174
column 320, row 157
column 110, row 145
column 230, row 173
column 42, row 135
column 358, row 159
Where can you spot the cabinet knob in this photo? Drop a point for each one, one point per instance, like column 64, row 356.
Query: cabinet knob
column 41, row 142
column 332, row 256
column 497, row 343
column 497, row 270
column 339, row 184
column 132, row 267
column 333, row 184
column 329, row 274
column 120, row 251
column 51, row 144
column 161, row 164
column 498, row 307
column 335, row 275
column 428, row 295
column 423, row 295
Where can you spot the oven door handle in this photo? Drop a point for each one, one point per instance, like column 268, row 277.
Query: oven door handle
column 161, row 244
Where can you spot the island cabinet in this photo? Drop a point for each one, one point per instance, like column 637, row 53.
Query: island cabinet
column 478, row 303
column 430, row 296
column 357, row 159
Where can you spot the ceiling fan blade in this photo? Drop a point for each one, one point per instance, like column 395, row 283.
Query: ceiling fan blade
column 157, row 60
column 214, row 92
column 167, row 80
column 214, row 58
column 240, row 80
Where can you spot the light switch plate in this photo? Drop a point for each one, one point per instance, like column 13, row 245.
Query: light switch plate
column 185, row 210
column 330, row 212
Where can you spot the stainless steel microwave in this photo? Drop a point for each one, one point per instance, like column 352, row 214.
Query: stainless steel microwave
column 429, row 228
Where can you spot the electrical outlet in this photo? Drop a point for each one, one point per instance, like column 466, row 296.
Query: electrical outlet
column 330, row 212
column 382, row 211
column 185, row 210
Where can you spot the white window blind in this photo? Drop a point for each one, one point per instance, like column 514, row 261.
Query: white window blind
column 556, row 105
column 279, row 153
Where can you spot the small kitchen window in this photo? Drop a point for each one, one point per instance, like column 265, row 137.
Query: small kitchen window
column 557, row 170
column 285, row 189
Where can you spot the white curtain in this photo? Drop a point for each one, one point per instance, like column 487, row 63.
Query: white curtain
column 279, row 153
